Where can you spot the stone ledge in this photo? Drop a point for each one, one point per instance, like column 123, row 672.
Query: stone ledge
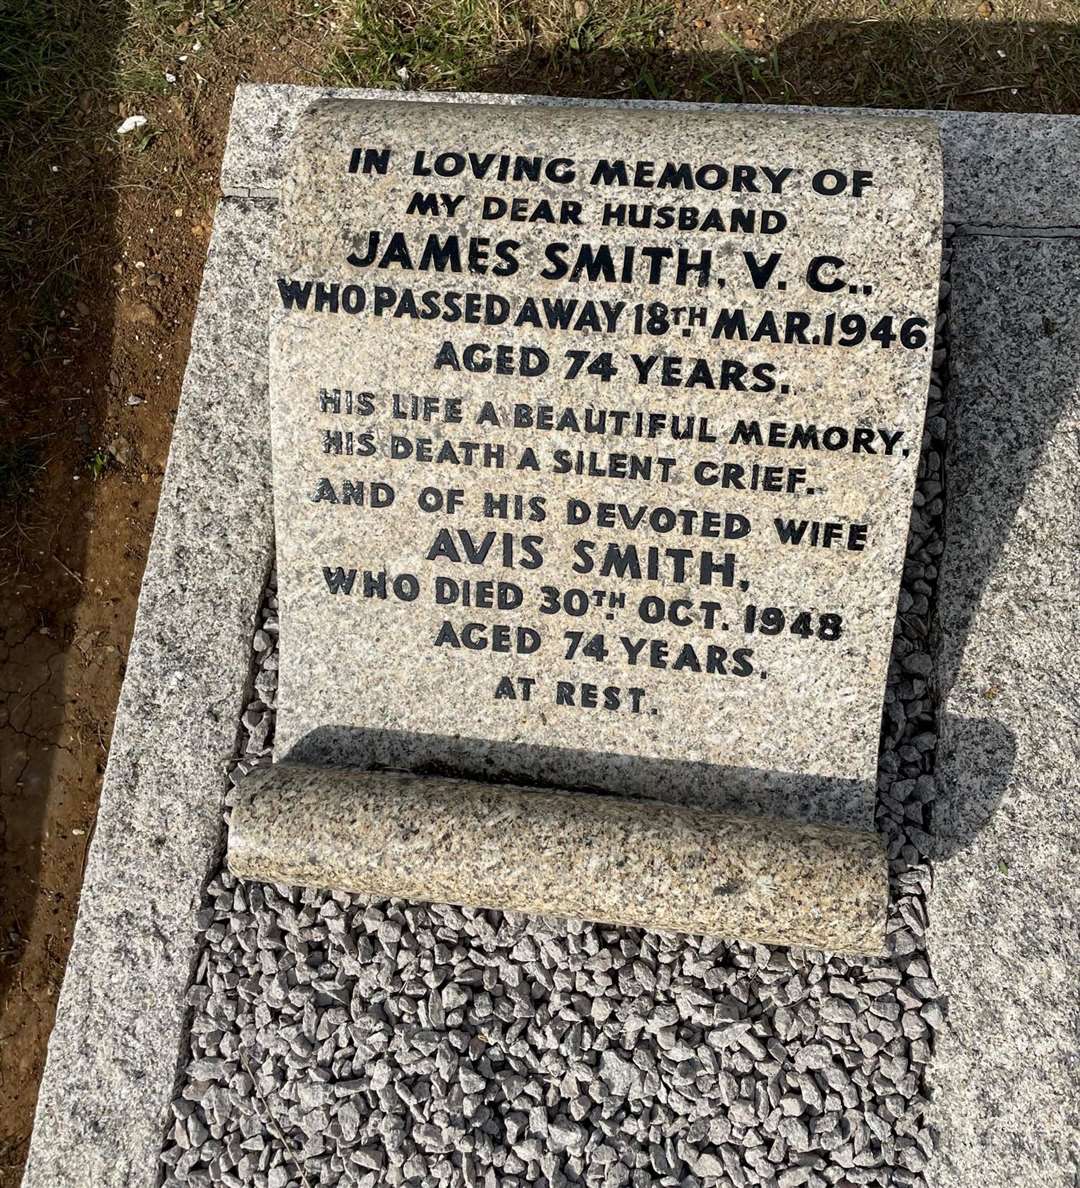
column 115, row 1045
column 567, row 854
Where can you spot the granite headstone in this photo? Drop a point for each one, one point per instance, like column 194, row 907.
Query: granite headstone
column 595, row 434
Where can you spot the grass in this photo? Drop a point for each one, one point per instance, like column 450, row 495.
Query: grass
column 66, row 68
column 98, row 463
column 886, row 53
column 428, row 46
column 53, row 56
column 158, row 31
column 477, row 44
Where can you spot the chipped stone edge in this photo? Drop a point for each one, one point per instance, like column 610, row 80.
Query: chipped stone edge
column 1002, row 170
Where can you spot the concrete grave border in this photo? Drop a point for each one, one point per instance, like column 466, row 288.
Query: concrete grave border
column 118, row 1037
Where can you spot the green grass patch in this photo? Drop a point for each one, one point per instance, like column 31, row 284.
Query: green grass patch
column 497, row 44
column 440, row 46
column 157, row 32
column 1007, row 55
column 98, row 463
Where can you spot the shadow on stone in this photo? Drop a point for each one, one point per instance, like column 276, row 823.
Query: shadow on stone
column 887, row 64
column 734, row 789
column 984, row 751
column 1013, row 363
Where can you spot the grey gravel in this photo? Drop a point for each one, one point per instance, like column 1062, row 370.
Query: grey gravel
column 336, row 1040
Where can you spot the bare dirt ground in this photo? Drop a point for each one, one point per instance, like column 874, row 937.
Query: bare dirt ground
column 91, row 370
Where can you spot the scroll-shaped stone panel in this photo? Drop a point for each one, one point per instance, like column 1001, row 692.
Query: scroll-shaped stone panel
column 595, row 433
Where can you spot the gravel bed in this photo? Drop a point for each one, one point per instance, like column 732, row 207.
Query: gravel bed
column 337, row 1040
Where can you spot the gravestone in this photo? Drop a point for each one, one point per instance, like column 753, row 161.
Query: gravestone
column 126, row 1026
column 595, row 434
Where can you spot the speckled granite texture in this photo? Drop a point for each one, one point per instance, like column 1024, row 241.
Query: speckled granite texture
column 114, row 1048
column 1003, row 170
column 671, row 869
column 783, row 702
column 1004, row 921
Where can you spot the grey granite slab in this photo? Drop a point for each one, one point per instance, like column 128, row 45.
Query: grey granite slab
column 720, row 688
column 114, row 1050
column 1004, row 913
column 1001, row 170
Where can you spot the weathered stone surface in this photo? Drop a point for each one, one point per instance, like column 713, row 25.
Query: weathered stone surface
column 1003, row 169
column 1003, row 935
column 644, row 634
column 115, row 1045
column 567, row 854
